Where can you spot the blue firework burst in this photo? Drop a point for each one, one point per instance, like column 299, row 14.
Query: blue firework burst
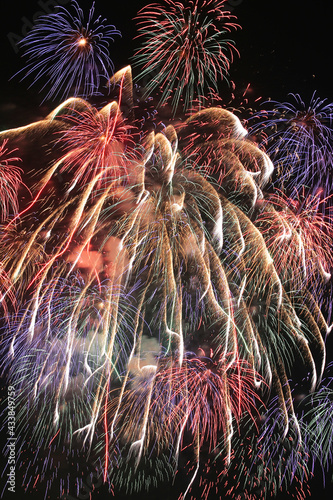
column 68, row 53
column 299, row 139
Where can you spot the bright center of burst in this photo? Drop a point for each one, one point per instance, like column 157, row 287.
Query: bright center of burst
column 82, row 42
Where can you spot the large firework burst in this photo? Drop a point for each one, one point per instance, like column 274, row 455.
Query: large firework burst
column 155, row 314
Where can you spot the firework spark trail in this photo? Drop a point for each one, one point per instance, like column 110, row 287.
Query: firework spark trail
column 166, row 239
column 317, row 422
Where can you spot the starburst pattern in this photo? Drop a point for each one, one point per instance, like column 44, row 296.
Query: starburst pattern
column 186, row 50
column 67, row 54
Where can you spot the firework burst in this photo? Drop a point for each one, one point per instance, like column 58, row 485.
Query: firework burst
column 186, row 50
column 10, row 182
column 299, row 139
column 68, row 54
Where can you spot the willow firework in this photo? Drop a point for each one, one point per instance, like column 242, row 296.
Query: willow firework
column 155, row 314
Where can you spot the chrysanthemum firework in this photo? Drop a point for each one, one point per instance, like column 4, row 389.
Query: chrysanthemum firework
column 67, row 54
column 186, row 50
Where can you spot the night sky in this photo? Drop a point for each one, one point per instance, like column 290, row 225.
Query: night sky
column 285, row 46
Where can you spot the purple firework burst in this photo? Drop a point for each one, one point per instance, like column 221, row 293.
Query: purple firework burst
column 299, row 139
column 68, row 54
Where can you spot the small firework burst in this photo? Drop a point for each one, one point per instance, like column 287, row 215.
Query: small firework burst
column 10, row 181
column 69, row 55
column 95, row 145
